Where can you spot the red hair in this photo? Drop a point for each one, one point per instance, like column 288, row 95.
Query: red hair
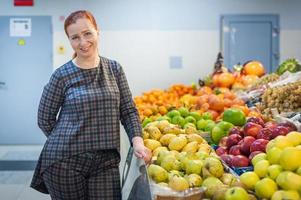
column 73, row 17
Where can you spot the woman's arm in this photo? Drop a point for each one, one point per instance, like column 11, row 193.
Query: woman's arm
column 50, row 103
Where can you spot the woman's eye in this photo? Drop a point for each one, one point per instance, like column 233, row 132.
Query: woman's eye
column 74, row 38
column 88, row 33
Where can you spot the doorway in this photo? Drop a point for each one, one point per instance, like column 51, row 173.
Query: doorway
column 250, row 37
column 25, row 67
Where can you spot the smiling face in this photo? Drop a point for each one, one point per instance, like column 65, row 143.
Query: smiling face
column 83, row 37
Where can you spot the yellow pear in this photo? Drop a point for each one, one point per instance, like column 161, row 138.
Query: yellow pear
column 154, row 132
column 151, row 144
column 191, row 147
column 214, row 166
column 145, row 135
column 195, row 137
column 169, row 163
column 173, row 129
column 175, row 153
column 190, row 130
column 194, row 167
column 174, row 173
column 165, row 139
column 162, row 125
column 177, row 143
column 158, row 149
column 194, row 180
column 211, row 185
column 178, row 183
column 157, row 173
column 161, row 156
column 205, row 148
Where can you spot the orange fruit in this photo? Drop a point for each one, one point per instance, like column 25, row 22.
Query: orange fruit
column 254, row 68
column 249, row 79
column 226, row 79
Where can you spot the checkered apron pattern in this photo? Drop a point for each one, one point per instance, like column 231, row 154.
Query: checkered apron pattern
column 86, row 176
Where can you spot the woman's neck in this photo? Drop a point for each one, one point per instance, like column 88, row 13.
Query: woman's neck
column 87, row 63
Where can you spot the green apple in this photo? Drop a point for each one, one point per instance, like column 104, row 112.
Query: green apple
column 236, row 193
column 195, row 115
column 273, row 155
column 209, row 126
column 188, row 124
column 258, row 157
column 173, row 113
column 183, row 111
column 274, row 171
column 161, row 118
column 265, row 188
column 190, row 119
column 146, row 121
column 178, row 120
column 249, row 179
column 261, row 168
column 207, row 115
column 220, row 130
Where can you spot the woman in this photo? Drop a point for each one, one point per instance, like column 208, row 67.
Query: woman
column 79, row 112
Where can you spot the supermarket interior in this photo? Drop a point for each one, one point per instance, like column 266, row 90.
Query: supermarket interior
column 187, row 100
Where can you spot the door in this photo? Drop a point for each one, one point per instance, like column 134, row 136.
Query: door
column 25, row 67
column 250, row 37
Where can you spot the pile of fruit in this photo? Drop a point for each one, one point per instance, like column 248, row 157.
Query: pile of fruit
column 285, row 98
column 182, row 159
column 243, row 143
column 182, row 126
column 277, row 173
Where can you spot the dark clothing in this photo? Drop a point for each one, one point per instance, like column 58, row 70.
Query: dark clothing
column 91, row 103
column 86, row 176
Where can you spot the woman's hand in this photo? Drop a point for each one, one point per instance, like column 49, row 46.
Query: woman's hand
column 140, row 150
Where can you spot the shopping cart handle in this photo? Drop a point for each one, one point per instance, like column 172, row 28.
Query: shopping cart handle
column 127, row 165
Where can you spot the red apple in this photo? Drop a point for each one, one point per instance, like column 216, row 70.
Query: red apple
column 235, row 150
column 252, row 129
column 227, row 158
column 236, row 130
column 279, row 130
column 233, row 140
column 259, row 145
column 245, row 145
column 221, row 150
column 291, row 126
column 256, row 120
column 254, row 153
column 270, row 124
column 240, row 161
column 223, row 142
column 265, row 133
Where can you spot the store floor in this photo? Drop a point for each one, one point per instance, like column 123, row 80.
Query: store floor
column 16, row 169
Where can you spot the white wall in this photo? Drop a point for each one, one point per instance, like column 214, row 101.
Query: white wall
column 142, row 34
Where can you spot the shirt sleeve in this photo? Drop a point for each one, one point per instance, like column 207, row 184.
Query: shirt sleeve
column 128, row 112
column 50, row 103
